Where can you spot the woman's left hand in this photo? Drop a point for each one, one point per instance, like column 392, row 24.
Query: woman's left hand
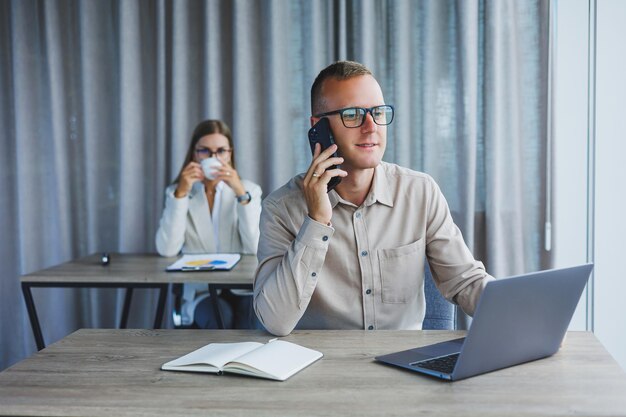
column 229, row 175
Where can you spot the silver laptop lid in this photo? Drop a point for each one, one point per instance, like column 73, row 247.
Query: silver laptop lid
column 520, row 319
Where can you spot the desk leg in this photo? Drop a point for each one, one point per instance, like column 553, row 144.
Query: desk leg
column 161, row 305
column 32, row 314
column 216, row 307
column 125, row 311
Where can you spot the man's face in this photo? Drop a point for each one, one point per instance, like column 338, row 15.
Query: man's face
column 361, row 147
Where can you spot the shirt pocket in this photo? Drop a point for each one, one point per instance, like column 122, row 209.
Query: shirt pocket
column 401, row 272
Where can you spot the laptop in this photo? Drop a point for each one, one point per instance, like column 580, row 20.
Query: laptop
column 518, row 319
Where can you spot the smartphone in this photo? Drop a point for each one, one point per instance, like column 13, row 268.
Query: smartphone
column 321, row 133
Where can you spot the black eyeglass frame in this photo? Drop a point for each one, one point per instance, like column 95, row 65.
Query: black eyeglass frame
column 210, row 153
column 367, row 110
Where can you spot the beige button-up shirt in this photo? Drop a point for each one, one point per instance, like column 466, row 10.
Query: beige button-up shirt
column 366, row 271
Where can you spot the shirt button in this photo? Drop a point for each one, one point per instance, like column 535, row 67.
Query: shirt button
column 325, row 238
column 364, row 253
column 358, row 214
column 314, row 274
column 370, row 328
column 368, row 291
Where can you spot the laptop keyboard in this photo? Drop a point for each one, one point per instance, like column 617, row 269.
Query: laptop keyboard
column 443, row 364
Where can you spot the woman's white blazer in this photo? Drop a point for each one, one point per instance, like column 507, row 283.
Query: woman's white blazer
column 186, row 225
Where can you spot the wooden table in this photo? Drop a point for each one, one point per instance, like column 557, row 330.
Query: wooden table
column 116, row 372
column 130, row 271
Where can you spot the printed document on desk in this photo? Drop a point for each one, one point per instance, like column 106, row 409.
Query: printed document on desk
column 205, row 262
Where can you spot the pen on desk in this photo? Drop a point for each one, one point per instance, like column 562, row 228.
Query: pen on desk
column 197, row 268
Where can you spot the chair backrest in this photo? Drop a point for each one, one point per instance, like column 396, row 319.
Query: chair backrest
column 440, row 313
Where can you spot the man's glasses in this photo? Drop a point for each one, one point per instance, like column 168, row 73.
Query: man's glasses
column 207, row 153
column 355, row 116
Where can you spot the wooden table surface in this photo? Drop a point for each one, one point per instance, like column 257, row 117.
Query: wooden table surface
column 116, row 372
column 129, row 271
column 139, row 268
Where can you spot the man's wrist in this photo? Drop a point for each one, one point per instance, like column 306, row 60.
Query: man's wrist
column 326, row 223
column 315, row 234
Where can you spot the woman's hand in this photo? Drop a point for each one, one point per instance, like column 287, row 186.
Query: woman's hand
column 191, row 173
column 229, row 175
column 316, row 183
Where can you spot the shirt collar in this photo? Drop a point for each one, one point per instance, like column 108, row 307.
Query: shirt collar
column 381, row 187
column 334, row 198
column 379, row 192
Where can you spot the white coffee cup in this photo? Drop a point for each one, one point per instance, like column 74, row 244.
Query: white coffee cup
column 209, row 166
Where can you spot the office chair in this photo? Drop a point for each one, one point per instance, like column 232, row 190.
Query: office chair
column 440, row 313
column 177, row 308
column 221, row 318
column 177, row 292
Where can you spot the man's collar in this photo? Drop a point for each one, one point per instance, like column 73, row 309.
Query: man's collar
column 334, row 198
column 381, row 189
column 379, row 192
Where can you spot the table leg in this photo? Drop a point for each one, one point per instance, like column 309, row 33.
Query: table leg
column 32, row 314
column 216, row 307
column 126, row 309
column 163, row 289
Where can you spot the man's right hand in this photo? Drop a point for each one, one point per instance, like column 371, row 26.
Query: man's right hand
column 191, row 173
column 316, row 183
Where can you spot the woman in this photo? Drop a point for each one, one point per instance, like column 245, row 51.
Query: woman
column 210, row 209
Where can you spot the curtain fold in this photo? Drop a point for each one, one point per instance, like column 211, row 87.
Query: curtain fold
column 99, row 99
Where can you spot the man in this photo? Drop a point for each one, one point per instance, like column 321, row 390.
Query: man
column 353, row 258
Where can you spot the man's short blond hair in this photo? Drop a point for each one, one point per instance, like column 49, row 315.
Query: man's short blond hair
column 340, row 70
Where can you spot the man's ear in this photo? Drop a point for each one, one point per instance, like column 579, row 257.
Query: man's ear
column 314, row 120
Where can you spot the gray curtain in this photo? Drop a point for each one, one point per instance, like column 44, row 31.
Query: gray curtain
column 98, row 100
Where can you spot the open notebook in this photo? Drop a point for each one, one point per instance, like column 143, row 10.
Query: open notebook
column 276, row 359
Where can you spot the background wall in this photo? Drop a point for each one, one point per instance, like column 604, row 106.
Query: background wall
column 610, row 179
column 590, row 168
